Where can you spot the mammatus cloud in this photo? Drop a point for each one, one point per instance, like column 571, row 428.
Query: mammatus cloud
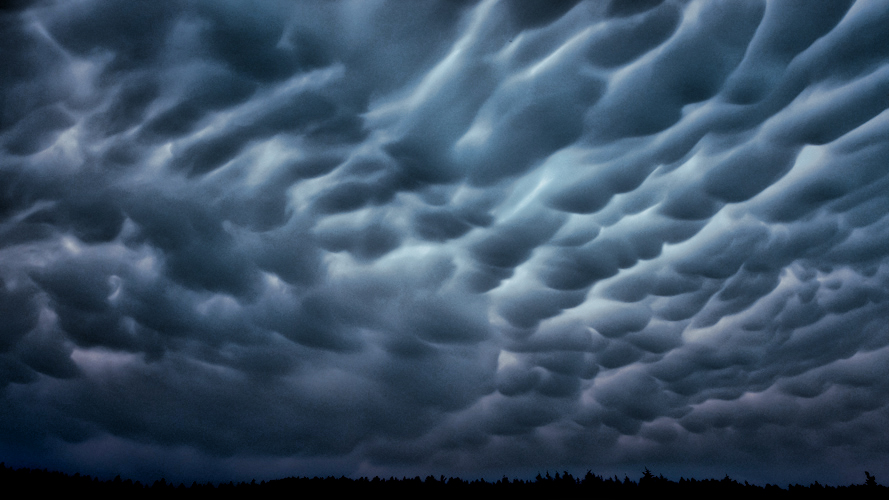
column 445, row 237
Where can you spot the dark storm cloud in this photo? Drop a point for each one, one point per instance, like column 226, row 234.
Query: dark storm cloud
column 445, row 237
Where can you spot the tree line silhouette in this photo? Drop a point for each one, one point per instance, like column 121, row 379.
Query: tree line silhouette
column 560, row 486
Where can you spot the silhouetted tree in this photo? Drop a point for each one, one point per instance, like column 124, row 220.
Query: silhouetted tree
column 647, row 478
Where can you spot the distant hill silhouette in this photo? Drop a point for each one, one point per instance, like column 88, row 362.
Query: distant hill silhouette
column 559, row 486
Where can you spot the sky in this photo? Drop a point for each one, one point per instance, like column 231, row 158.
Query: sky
column 261, row 239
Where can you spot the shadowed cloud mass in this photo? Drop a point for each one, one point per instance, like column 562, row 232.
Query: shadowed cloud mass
column 468, row 238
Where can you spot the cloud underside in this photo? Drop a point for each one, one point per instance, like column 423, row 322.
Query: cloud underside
column 455, row 236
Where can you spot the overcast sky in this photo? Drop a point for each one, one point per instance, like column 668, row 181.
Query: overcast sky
column 262, row 239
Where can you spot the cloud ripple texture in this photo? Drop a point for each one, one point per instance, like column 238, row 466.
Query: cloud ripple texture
column 444, row 236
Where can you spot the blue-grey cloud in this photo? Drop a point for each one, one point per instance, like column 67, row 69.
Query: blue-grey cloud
column 445, row 237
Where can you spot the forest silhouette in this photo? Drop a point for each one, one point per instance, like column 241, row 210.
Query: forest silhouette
column 558, row 486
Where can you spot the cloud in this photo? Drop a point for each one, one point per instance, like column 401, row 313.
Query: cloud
column 445, row 237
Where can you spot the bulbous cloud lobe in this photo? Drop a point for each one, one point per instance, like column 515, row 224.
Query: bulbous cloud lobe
column 456, row 237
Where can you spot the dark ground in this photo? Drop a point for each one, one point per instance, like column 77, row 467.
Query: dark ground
column 30, row 481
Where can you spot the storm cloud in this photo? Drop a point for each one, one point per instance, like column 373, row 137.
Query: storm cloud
column 468, row 238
